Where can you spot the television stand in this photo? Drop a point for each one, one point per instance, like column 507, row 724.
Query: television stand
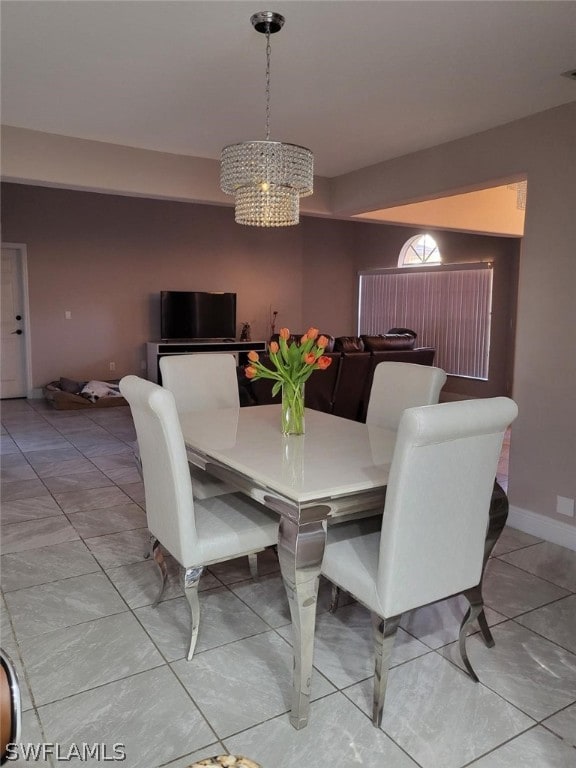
column 157, row 349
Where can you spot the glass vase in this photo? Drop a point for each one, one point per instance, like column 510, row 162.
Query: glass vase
column 292, row 409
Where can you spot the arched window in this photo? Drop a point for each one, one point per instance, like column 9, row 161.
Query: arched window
column 418, row 251
column 448, row 305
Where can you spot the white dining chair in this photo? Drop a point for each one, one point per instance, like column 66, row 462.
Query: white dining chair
column 200, row 382
column 197, row 533
column 431, row 542
column 397, row 386
column 203, row 381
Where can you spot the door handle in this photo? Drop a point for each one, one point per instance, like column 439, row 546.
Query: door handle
column 18, row 332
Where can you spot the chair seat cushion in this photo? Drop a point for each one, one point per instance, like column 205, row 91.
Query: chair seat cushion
column 231, row 526
column 351, row 558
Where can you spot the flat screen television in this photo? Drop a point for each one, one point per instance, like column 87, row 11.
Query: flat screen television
column 197, row 315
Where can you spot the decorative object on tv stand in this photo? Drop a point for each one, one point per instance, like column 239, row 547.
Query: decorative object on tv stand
column 267, row 178
column 293, row 363
column 246, row 332
column 273, row 323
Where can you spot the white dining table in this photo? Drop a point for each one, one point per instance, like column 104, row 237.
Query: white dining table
column 338, row 468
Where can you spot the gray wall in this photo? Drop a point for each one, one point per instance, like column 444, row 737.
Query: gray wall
column 105, row 258
column 541, row 147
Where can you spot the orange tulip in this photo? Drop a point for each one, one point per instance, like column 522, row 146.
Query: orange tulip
column 322, row 342
column 250, row 372
column 310, row 358
column 284, row 334
column 324, row 362
column 304, row 339
column 273, row 347
column 311, row 333
column 253, row 356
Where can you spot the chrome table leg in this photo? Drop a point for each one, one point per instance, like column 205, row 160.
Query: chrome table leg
column 191, row 580
column 158, row 556
column 300, row 552
column 334, row 599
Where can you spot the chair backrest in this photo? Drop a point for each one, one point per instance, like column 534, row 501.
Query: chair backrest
column 167, row 484
column 201, row 381
column 397, row 386
column 438, row 500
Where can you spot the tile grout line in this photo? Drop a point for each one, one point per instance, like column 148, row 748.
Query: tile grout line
column 531, row 573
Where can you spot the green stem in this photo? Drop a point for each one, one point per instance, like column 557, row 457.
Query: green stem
column 292, row 408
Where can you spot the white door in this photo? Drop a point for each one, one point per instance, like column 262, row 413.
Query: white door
column 14, row 326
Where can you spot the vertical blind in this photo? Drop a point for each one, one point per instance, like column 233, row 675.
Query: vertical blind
column 449, row 308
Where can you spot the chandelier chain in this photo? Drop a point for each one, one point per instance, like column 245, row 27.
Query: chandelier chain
column 268, row 54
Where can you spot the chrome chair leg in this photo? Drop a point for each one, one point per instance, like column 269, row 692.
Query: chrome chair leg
column 138, row 461
column 151, row 540
column 253, row 564
column 384, row 632
column 475, row 611
column 191, row 582
column 334, row 599
column 158, row 555
column 496, row 522
column 485, row 630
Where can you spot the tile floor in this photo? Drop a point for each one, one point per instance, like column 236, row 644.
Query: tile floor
column 98, row 664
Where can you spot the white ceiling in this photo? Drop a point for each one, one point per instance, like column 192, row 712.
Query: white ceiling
column 358, row 82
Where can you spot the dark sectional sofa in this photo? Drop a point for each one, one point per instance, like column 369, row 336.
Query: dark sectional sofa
column 344, row 388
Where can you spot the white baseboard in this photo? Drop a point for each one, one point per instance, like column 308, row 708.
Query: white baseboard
column 543, row 527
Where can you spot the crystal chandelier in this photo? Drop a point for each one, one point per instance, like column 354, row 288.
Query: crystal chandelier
column 267, row 178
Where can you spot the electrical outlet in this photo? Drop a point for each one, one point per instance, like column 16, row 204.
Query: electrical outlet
column 112, row 366
column 564, row 506
column 68, row 315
